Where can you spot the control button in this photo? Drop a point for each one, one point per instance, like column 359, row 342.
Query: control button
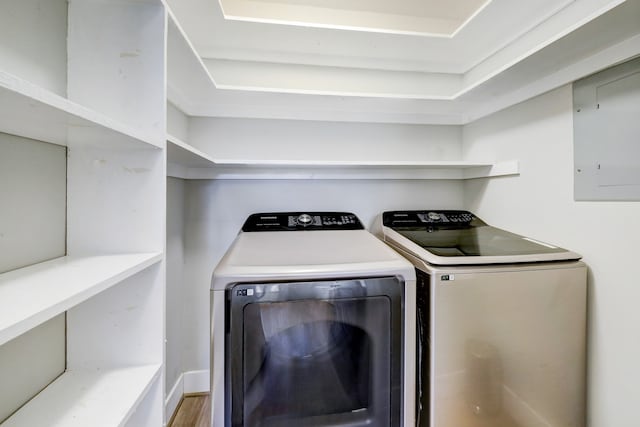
column 434, row 216
column 305, row 219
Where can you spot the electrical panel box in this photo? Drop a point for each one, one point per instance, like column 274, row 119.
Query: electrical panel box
column 606, row 128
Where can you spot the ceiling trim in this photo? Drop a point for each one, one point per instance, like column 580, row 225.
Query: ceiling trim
column 537, row 64
column 352, row 82
column 341, row 19
column 480, row 38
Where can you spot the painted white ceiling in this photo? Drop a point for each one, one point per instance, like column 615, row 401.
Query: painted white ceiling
column 426, row 17
column 507, row 51
column 500, row 23
column 455, row 10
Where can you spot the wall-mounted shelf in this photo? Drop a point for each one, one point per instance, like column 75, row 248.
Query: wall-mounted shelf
column 99, row 397
column 187, row 162
column 183, row 154
column 190, row 85
column 188, row 78
column 33, row 112
column 32, row 295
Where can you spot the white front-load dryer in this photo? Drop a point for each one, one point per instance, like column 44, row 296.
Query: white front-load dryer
column 312, row 324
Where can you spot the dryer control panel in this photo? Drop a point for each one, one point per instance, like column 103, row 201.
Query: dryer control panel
column 301, row 221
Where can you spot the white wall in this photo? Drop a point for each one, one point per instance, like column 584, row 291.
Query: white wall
column 177, row 126
column 33, row 179
column 37, row 51
column 266, row 139
column 539, row 203
column 175, row 290
column 215, row 211
column 29, row 362
column 177, row 123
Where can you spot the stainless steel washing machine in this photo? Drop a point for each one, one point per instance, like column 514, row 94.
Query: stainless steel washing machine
column 313, row 324
column 501, row 333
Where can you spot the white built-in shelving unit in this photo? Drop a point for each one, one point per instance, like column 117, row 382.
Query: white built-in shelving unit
column 91, row 80
column 189, row 80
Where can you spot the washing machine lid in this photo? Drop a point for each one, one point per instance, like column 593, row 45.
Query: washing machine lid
column 307, row 251
column 454, row 237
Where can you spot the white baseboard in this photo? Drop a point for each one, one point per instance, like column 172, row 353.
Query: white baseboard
column 173, row 398
column 187, row 382
column 196, row 381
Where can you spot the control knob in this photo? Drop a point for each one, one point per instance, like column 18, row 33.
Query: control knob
column 304, row 220
column 434, row 216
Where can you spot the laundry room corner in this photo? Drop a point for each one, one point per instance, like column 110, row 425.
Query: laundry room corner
column 216, row 209
column 540, row 203
column 365, row 195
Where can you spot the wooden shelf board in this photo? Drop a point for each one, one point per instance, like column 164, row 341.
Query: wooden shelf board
column 32, row 295
column 181, row 153
column 91, row 397
column 396, row 164
column 349, row 172
column 30, row 111
column 187, row 162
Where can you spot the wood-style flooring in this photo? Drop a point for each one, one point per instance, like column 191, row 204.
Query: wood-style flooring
column 193, row 411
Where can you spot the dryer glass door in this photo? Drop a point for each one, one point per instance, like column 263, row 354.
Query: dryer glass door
column 315, row 354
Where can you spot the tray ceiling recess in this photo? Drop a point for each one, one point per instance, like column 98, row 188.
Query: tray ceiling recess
column 434, row 18
column 403, row 61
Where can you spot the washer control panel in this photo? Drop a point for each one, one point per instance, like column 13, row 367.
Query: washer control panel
column 445, row 216
column 430, row 218
column 300, row 221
